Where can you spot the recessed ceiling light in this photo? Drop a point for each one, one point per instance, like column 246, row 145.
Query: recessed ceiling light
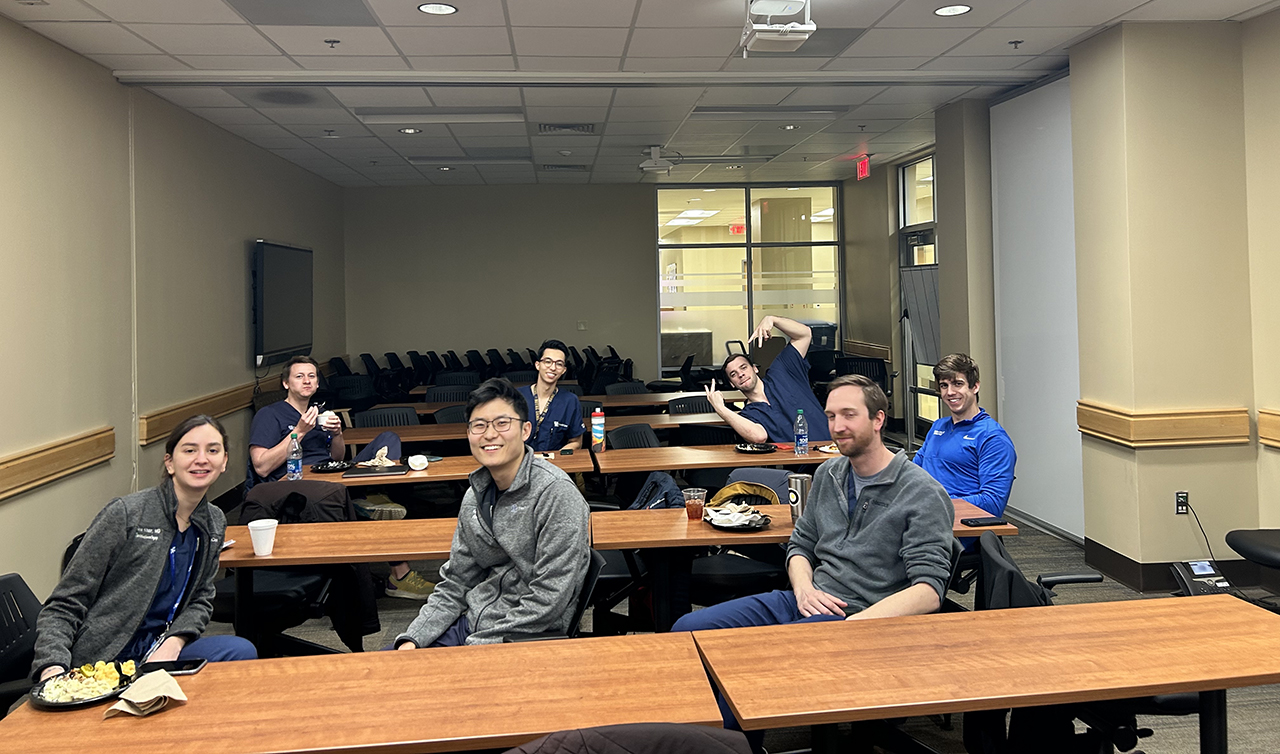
column 733, row 167
column 694, row 199
column 565, row 152
column 794, row 189
column 947, row 11
column 789, row 127
column 444, row 167
column 709, row 191
column 411, row 131
column 438, row 9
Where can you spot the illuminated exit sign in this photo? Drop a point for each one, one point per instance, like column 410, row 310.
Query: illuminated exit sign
column 864, row 166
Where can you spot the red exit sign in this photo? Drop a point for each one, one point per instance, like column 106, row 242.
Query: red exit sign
column 864, row 166
column 736, row 229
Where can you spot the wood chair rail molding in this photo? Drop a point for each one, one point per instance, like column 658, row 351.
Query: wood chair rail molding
column 1269, row 427
column 1165, row 429
column 863, row 348
column 32, row 468
column 157, row 425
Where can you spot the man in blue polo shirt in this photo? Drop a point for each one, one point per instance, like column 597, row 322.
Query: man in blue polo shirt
column 556, row 414
column 967, row 452
column 772, row 402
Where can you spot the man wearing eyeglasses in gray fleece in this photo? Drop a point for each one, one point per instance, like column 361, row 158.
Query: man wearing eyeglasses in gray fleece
column 522, row 545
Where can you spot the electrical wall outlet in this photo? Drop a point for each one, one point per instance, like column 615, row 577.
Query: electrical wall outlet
column 1180, row 501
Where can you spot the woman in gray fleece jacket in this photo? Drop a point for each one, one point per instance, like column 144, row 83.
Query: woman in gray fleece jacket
column 140, row 585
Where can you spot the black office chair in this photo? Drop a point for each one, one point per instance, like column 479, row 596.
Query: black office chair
column 433, row 359
column 451, row 415
column 339, row 366
column 691, row 404
column 632, row 436
column 875, row 369
column 594, row 567
column 421, row 368
column 355, row 392
column 639, row 738
column 389, row 416
column 671, row 386
column 517, row 377
column 496, row 363
column 517, row 361
column 822, row 365
column 447, row 393
column 625, row 388
column 453, row 362
column 738, row 571
column 18, row 611
column 575, row 389
column 371, row 367
column 393, row 361
column 475, row 363
column 588, row 408
column 471, row 379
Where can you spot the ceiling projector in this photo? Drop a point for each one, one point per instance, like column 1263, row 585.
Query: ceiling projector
column 771, row 37
column 655, row 163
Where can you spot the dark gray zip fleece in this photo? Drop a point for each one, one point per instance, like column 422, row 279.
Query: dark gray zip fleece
column 899, row 534
column 521, row 575
column 110, row 583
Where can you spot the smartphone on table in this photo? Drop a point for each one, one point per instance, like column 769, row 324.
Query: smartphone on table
column 174, row 667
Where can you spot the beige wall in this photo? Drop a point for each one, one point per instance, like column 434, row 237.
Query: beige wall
column 439, row 268
column 1261, row 63
column 68, row 213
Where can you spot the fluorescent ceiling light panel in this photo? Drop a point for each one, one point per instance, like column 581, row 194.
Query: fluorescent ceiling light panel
column 702, row 213
column 763, row 114
column 826, row 212
column 405, row 118
column 683, row 221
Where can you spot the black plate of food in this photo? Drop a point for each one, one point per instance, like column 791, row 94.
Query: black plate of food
column 755, row 447
column 77, row 688
column 331, row 467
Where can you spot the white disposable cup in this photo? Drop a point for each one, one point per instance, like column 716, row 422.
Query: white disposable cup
column 263, row 535
column 418, row 463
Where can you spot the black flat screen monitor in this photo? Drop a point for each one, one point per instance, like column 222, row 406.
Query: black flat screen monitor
column 281, row 302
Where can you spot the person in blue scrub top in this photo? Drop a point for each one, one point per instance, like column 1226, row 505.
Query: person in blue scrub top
column 556, row 414
column 772, row 402
column 968, row 452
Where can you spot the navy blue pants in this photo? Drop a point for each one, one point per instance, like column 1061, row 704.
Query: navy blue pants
column 453, row 636
column 220, row 649
column 772, row 609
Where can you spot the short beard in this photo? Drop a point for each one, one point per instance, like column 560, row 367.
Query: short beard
column 859, row 448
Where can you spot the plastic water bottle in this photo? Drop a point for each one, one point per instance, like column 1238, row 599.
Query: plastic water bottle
column 293, row 466
column 597, row 430
column 802, row 433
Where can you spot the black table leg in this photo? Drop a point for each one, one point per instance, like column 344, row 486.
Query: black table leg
column 1213, row 722
column 244, row 622
column 826, row 739
column 659, row 560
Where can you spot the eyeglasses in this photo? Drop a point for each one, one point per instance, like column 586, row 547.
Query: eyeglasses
column 480, row 426
column 548, row 363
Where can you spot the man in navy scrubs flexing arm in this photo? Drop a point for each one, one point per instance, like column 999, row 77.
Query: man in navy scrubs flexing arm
column 556, row 414
column 772, row 402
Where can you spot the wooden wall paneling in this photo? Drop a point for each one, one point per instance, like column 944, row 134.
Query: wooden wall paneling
column 863, row 348
column 29, row 469
column 1269, row 427
column 1164, row 429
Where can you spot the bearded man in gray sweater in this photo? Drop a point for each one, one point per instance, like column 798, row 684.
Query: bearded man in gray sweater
column 874, row 540
column 521, row 549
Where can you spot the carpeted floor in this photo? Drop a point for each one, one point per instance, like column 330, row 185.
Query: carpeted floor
column 1254, row 724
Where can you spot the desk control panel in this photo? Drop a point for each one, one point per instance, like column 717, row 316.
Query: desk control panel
column 1198, row 577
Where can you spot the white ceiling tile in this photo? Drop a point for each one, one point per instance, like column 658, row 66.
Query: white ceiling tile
column 884, row 110
column 352, row 63
column 471, row 142
column 562, row 13
column 709, row 42
column 52, row 10
column 642, row 127
column 380, row 96
column 463, row 63
column 281, row 142
column 988, row 92
column 489, row 129
column 877, row 64
column 714, row 127
column 322, row 132
column 565, row 141
column 139, row 62
column 1074, row 13
column 168, row 11
column 259, row 132
column 849, row 15
column 540, row 63
column 918, row 14
column 723, row 96
column 205, row 39
column 88, row 38
column 1190, row 10
column 926, row 95
column 807, row 96
column 239, row 62
column 682, row 13
column 1034, row 41
column 647, row 113
column 563, row 42
column 977, row 62
column 461, row 96
column 196, row 96
column 630, row 140
column 661, row 65
column 665, row 96
column 555, row 96
column 348, row 145
column 565, row 114
column 460, row 40
column 306, row 115
column 1046, row 63
column 393, row 138
column 470, row 13
column 774, row 64
column 310, row 40
column 230, row 115
column 439, row 150
column 854, row 124
column 906, row 42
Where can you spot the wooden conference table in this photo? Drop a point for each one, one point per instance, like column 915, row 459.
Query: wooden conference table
column 431, row 700
column 629, row 400
column 825, row 673
column 436, row 432
column 451, row 469
column 622, row 460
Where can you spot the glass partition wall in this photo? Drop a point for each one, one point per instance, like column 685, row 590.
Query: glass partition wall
column 728, row 256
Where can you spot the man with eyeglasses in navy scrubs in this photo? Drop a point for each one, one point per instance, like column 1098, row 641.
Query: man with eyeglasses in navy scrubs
column 556, row 414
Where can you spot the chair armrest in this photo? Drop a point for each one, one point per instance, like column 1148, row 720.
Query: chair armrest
column 1050, row 580
column 595, row 505
column 533, row 637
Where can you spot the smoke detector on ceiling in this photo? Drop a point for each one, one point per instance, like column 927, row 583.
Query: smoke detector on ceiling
column 776, row 37
column 655, row 163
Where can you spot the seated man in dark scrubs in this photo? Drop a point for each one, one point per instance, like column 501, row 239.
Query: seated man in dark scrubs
column 556, row 414
column 772, row 402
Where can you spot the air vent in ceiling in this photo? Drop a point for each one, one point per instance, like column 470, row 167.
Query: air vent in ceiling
column 564, row 168
column 566, row 128
column 293, row 97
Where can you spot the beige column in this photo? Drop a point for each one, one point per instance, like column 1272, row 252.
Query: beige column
column 1163, row 285
column 966, row 284
column 872, row 296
